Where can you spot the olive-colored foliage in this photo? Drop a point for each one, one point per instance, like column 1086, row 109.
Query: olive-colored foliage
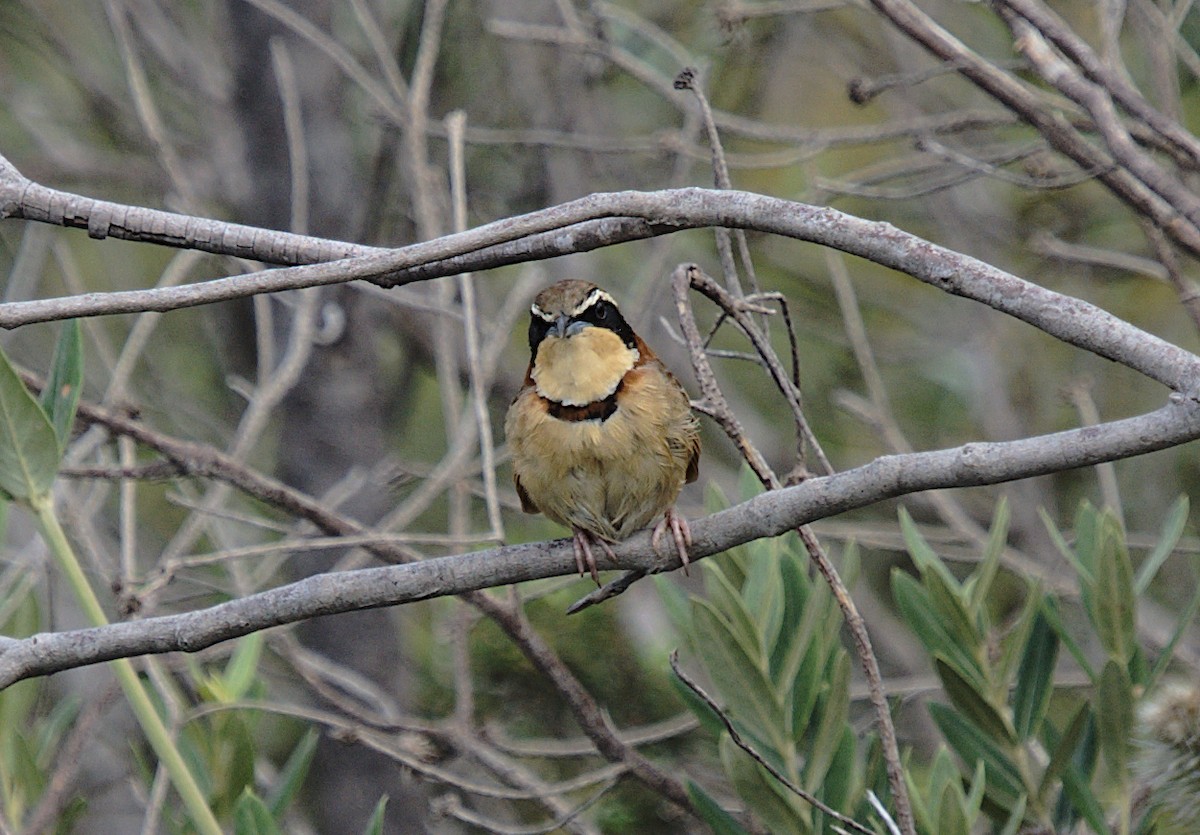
column 1033, row 751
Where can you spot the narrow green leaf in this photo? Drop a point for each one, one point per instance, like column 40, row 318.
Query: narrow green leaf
column 251, row 816
column 725, row 596
column 1077, row 797
column 60, row 397
column 1113, row 607
column 1035, row 678
column 842, row 778
column 1050, row 610
column 951, row 819
column 916, row 607
column 1084, row 572
column 834, row 720
column 963, row 627
column 1114, row 715
column 789, row 643
column 721, row 822
column 1167, row 540
column 1087, row 530
column 974, row 800
column 29, row 451
column 1064, row 751
column 1013, row 825
column 1012, row 645
column 241, row 672
column 739, row 677
column 942, row 771
column 774, row 805
column 980, row 584
column 973, row 704
column 1004, row 784
column 1083, row 800
column 1181, row 625
column 762, row 598
column 925, row 558
column 375, row 824
column 292, row 775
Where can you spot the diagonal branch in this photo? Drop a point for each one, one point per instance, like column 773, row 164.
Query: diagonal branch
column 768, row 514
column 590, row 222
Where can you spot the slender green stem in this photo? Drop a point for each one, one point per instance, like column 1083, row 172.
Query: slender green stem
column 143, row 708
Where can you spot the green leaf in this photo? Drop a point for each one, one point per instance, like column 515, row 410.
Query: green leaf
column 738, row 677
column 708, row 719
column 915, row 605
column 834, row 718
column 1013, row 825
column 720, row 821
column 1114, row 715
column 925, row 558
column 1062, row 753
column 979, row 585
column 1035, row 678
column 375, row 824
column 790, row 642
column 973, row 704
column 762, row 597
column 1167, row 540
column 774, row 804
column 1113, row 602
column 251, row 816
column 1084, row 571
column 29, row 453
column 724, row 595
column 1168, row 651
column 60, row 397
column 1083, row 799
column 1004, row 784
column 242, row 670
column 951, row 819
column 842, row 780
column 292, row 775
column 1054, row 617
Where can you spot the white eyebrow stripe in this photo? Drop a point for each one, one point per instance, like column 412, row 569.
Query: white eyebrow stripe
column 595, row 296
column 537, row 311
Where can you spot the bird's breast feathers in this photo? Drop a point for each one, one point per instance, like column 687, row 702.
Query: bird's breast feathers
column 609, row 476
column 583, row 369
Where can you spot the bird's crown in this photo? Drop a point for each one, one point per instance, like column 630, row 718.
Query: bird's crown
column 571, row 298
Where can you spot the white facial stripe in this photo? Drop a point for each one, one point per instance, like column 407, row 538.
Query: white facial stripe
column 596, row 295
column 537, row 311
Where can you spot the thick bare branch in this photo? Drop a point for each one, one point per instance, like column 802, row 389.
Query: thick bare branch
column 769, row 514
column 632, row 215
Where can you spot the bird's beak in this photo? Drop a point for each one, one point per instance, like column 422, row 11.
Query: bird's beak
column 564, row 327
column 559, row 328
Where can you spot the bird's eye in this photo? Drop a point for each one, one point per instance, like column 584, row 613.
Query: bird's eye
column 602, row 312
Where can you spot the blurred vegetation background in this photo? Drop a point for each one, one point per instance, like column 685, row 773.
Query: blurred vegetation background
column 184, row 106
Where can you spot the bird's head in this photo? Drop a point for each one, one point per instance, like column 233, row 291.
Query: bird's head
column 580, row 343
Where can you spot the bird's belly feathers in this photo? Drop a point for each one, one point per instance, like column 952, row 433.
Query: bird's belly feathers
column 609, row 477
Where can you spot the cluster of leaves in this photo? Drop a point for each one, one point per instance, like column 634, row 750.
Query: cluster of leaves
column 219, row 748
column 769, row 638
column 1020, row 753
column 1036, row 756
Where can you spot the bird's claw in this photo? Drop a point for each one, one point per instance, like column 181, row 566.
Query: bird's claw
column 585, row 560
column 680, row 532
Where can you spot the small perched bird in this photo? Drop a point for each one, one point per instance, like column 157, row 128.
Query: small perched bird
column 602, row 435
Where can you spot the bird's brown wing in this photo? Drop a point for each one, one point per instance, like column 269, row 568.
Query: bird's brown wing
column 527, row 503
column 648, row 357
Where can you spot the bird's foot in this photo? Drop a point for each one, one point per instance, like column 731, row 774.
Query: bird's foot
column 680, row 532
column 585, row 560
